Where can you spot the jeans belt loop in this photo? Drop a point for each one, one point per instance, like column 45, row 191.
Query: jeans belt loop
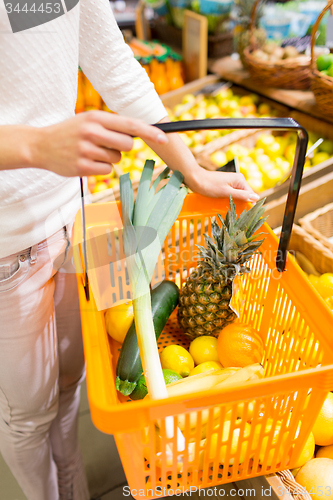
column 33, row 254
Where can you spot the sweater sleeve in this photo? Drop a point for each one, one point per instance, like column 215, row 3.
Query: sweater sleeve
column 110, row 65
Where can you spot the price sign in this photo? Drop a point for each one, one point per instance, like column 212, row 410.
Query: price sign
column 195, row 45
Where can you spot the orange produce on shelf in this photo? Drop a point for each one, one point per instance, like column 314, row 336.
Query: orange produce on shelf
column 92, row 98
column 80, row 100
column 174, row 73
column 158, row 76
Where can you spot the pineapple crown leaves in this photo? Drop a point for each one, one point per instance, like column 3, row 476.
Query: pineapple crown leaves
column 234, row 242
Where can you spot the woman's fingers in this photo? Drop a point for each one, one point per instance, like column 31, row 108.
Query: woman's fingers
column 243, row 195
column 101, row 154
column 128, row 126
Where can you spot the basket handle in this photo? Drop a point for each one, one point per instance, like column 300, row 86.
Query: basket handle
column 253, row 15
column 315, row 29
column 254, row 12
column 296, row 174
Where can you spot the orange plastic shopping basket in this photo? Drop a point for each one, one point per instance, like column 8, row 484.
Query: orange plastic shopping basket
column 264, row 424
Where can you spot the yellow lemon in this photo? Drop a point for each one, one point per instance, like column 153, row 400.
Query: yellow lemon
column 307, row 452
column 176, row 358
column 327, row 279
column 319, row 158
column 317, row 477
column 118, row 319
column 100, row 186
column 204, row 349
column 205, row 367
column 323, row 427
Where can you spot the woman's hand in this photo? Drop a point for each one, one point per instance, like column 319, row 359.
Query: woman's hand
column 220, row 185
column 213, row 184
column 88, row 143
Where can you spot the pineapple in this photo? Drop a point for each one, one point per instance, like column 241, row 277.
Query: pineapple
column 244, row 36
column 204, row 299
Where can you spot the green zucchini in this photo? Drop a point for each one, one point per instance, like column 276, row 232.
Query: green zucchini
column 164, row 299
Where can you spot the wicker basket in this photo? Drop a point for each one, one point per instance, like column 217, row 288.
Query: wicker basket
column 291, row 73
column 301, row 241
column 321, row 85
column 319, row 224
column 295, row 490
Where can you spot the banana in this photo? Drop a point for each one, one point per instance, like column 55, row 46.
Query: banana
column 306, row 264
column 200, row 382
column 242, row 375
column 192, row 385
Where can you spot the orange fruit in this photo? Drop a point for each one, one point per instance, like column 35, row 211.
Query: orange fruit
column 239, row 345
column 325, row 452
column 323, row 427
column 316, row 476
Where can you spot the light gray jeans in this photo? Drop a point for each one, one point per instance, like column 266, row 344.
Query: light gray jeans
column 41, row 367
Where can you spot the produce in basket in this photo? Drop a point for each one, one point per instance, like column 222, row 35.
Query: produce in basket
column 204, row 303
column 164, row 299
column 148, row 219
column 141, row 389
column 273, row 52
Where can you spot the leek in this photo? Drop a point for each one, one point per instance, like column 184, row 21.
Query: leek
column 146, row 224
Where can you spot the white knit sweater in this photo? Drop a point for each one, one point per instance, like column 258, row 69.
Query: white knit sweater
column 38, row 86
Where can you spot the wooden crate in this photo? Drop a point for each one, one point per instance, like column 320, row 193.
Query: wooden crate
column 313, row 195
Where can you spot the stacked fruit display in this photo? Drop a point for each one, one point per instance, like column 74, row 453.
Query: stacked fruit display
column 263, row 165
column 271, row 158
column 323, row 283
column 163, row 65
column 224, row 104
column 316, row 474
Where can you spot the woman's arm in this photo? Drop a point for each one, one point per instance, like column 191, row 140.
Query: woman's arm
column 214, row 184
column 86, row 144
column 125, row 87
column 110, row 65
